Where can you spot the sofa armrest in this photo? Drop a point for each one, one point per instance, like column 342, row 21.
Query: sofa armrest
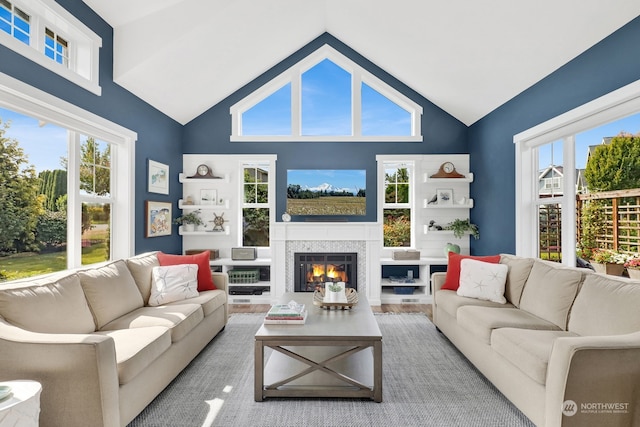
column 594, row 370
column 437, row 280
column 221, row 280
column 74, row 369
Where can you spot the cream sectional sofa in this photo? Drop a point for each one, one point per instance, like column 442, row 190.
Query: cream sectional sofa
column 565, row 348
column 99, row 351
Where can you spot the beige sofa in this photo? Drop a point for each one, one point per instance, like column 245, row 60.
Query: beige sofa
column 99, row 351
column 565, row 348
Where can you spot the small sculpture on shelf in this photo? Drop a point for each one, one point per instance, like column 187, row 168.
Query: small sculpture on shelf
column 218, row 222
column 433, row 226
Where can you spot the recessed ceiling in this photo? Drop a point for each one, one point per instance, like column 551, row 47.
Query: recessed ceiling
column 466, row 56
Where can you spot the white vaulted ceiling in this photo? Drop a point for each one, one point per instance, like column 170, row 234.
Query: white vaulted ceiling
column 466, row 56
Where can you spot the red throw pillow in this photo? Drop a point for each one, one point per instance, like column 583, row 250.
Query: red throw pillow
column 205, row 281
column 452, row 280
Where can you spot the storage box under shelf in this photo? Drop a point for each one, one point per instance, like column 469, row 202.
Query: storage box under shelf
column 403, row 290
column 404, row 255
column 244, row 275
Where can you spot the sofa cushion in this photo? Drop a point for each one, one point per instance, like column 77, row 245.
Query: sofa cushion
column 180, row 319
column 482, row 280
column 452, row 280
column 527, row 349
column 550, row 291
column 111, row 291
column 205, row 281
column 519, row 269
column 173, row 283
column 606, row 306
column 137, row 348
column 55, row 307
column 481, row 321
column 141, row 267
column 450, row 302
column 209, row 300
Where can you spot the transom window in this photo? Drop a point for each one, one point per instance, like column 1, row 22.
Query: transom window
column 56, row 48
column 44, row 32
column 14, row 21
column 326, row 97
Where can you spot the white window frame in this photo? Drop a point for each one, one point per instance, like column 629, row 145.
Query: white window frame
column 22, row 98
column 84, row 45
column 267, row 159
column 615, row 105
column 294, row 76
column 385, row 162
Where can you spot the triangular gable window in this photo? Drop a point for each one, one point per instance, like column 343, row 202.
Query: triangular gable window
column 326, row 97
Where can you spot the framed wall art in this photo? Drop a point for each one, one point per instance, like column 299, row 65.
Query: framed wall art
column 445, row 196
column 158, row 178
column 157, row 219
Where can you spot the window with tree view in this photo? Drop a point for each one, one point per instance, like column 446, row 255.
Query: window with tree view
column 39, row 206
column 397, row 205
column 255, row 206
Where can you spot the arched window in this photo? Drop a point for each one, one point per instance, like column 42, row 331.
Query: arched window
column 326, row 97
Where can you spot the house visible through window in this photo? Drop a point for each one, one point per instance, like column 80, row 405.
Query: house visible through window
column 326, row 97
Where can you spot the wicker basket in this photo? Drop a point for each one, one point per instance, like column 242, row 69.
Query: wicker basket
column 244, row 275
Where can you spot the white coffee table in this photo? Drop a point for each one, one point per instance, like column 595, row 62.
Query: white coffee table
column 22, row 407
column 336, row 353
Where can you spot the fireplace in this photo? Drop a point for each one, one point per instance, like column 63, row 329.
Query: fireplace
column 312, row 270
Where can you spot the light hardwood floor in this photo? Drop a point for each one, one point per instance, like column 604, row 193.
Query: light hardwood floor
column 384, row 308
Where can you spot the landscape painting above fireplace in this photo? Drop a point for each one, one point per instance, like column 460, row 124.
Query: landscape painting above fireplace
column 326, row 192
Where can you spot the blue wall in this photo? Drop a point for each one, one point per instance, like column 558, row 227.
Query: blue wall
column 612, row 63
column 209, row 133
column 159, row 137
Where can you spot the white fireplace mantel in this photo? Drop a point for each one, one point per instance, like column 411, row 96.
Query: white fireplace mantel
column 365, row 236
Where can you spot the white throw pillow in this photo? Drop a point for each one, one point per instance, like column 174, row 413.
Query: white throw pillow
column 174, row 283
column 483, row 280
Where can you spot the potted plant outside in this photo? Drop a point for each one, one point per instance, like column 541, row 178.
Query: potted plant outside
column 633, row 267
column 608, row 261
column 189, row 220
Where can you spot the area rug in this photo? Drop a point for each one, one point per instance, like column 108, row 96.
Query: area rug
column 426, row 382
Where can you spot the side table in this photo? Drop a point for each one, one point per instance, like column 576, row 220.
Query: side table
column 22, row 406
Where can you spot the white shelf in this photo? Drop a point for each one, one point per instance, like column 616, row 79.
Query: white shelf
column 421, row 261
column 182, row 205
column 467, row 205
column 224, row 232
column 427, row 178
column 184, row 178
column 418, row 283
column 258, row 262
column 441, row 232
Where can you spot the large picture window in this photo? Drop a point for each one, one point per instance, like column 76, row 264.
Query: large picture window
column 66, row 193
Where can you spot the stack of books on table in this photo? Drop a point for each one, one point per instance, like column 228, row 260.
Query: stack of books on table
column 286, row 314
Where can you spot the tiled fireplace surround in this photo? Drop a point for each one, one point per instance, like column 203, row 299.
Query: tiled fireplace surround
column 362, row 238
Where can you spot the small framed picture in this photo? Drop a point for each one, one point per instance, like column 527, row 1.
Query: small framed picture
column 157, row 219
column 208, row 197
column 158, row 178
column 445, row 196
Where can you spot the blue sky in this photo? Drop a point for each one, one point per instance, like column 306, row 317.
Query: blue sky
column 44, row 145
column 351, row 180
column 326, row 108
column 594, row 136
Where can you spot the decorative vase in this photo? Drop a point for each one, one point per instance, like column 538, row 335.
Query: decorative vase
column 337, row 296
column 188, row 227
column 634, row 273
column 451, row 247
column 608, row 268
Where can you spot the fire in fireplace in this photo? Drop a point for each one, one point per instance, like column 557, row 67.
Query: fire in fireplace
column 313, row 270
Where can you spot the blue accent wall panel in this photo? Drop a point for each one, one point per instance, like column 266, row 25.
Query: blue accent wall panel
column 209, row 133
column 159, row 137
column 612, row 63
